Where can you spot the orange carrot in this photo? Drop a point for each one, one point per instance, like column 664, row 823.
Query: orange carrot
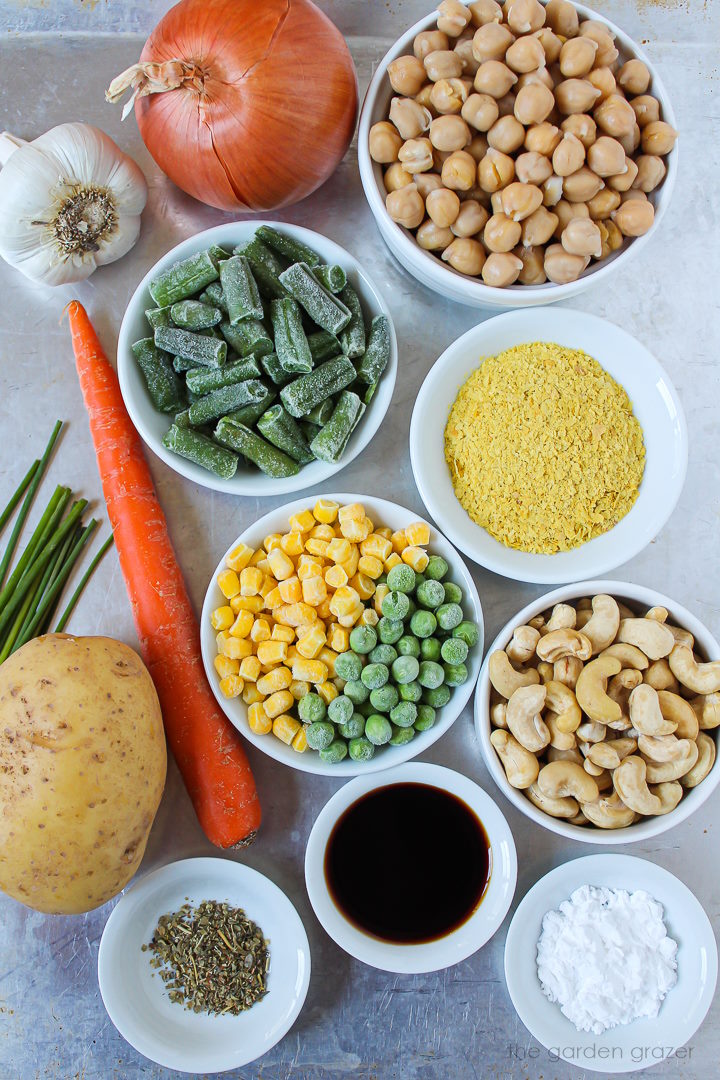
column 206, row 746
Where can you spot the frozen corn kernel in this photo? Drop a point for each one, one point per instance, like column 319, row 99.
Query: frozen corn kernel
column 290, row 590
column 222, row 618
column 376, row 546
column 234, row 647
column 370, row 566
column 384, row 530
column 253, row 604
column 392, row 560
column 277, row 679
column 258, row 556
column 286, row 728
column 317, row 547
column 295, row 614
column 369, row 617
column 312, row 671
column 327, row 691
column 228, row 583
column 350, row 564
column 322, row 532
column 326, row 511
column 299, row 688
column 268, row 584
column 280, row 565
column 338, row 550
column 328, row 657
column 282, row 633
column 380, row 593
column 309, row 566
column 225, row 666
column 258, row 719
column 243, row 624
column 415, row 557
column 260, row 630
column 323, row 609
column 363, row 585
column 292, row 543
column 250, row 668
column 272, row 652
column 335, row 576
column 251, row 695
column 311, row 642
column 344, row 600
column 399, row 541
column 302, row 522
column 314, row 590
column 239, row 557
column 417, row 534
column 231, row 686
column 357, row 530
column 351, row 512
column 299, row 742
column 251, row 580
column 264, row 566
column 273, row 598
column 272, row 541
column 292, row 655
column 338, row 638
column 279, row 702
column 352, row 616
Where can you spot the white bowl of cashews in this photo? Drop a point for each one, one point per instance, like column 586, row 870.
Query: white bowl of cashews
column 597, row 710
column 519, row 264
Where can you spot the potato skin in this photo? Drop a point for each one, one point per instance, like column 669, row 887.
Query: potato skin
column 82, row 767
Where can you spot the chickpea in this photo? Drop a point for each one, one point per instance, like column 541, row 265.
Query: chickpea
column 603, row 80
column 581, row 185
column 442, row 64
column 471, row 220
column 533, row 271
column 606, row 54
column 646, row 109
column 635, row 217
column 561, row 267
column 449, row 133
column 427, row 182
column 575, row 96
column 480, row 111
column 440, row 157
column 396, row 177
column 540, row 76
column 525, row 54
column 562, row 18
column 405, row 206
column 602, row 205
column 501, row 233
column 423, row 98
column 495, row 171
column 615, row 116
column 506, row 105
column 477, row 147
column 464, row 51
column 539, row 227
column 465, row 255
column 612, row 238
column 501, row 269
column 542, row 138
column 625, row 179
column 507, row 135
column 581, row 236
column 443, row 206
column 533, row 104
column 494, row 78
column 568, row 155
column 431, row 237
column 651, row 172
column 565, row 212
column 658, row 138
column 577, row 57
column 631, row 141
column 428, row 41
column 524, row 16
column 552, row 190
column 384, row 142
column 407, row 75
column 475, row 194
column 521, row 200
column 492, row 41
column 416, row 155
column 634, row 77
column 459, row 171
column 496, row 202
column 606, row 157
column 633, row 195
column 485, row 11
column 453, row 17
column 532, row 168
column 582, row 126
column 448, row 96
column 410, row 118
column 550, row 42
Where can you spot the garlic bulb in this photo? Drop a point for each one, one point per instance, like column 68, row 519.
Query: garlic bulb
column 69, row 202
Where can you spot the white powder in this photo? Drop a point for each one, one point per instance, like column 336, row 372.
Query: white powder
column 606, row 958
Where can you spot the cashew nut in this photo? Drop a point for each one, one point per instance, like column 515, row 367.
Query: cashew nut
column 591, row 687
column 660, row 747
column 553, row 754
column 564, row 808
column 629, row 781
column 560, row 739
column 653, row 638
column 566, row 642
column 498, row 715
column 521, row 767
column 609, row 754
column 591, row 731
column 625, row 612
column 704, row 763
column 522, row 646
column 679, row 712
column 669, row 793
column 620, row 685
column 628, row 655
column 660, row 677
column 707, row 710
column 565, row 779
column 524, row 719
column 505, row 678
column 562, row 701
column 659, row 772
column 623, row 724
column 579, row 819
column 594, row 770
column 583, row 618
column 545, row 671
column 682, row 637
column 567, row 669
column 537, row 622
column 584, row 604
column 645, row 712
column 658, row 613
column 609, row 812
column 603, row 626
column 700, row 678
column 562, row 618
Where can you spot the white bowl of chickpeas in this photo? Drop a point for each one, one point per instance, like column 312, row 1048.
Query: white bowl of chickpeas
column 597, row 712
column 515, row 155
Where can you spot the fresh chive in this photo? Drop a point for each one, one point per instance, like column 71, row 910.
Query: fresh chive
column 83, row 582
column 36, row 542
column 57, row 565
column 18, row 494
column 25, row 508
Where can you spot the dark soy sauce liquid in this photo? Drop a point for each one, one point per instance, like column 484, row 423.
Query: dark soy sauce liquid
column 408, row 863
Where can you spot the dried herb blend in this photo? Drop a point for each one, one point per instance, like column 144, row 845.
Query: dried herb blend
column 212, row 958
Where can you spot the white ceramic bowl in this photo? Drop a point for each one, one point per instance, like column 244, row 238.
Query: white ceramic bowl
column 135, row 996
column 644, row 1042
column 454, row 947
column 152, row 424
column 655, row 404
column 382, row 513
column 640, row 599
column 428, row 268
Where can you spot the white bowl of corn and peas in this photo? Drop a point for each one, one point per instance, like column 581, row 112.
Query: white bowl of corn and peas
column 312, row 582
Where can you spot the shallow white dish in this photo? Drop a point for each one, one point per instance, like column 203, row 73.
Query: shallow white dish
column 644, row 1042
column 152, row 424
column 428, row 268
column 641, row 599
column 382, row 513
column 135, row 996
column 655, row 404
column 454, row 947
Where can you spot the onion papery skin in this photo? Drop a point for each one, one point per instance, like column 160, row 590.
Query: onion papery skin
column 277, row 108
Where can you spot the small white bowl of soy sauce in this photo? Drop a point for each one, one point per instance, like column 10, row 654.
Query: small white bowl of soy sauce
column 411, row 870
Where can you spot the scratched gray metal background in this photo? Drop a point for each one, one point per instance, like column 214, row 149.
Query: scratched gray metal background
column 56, row 57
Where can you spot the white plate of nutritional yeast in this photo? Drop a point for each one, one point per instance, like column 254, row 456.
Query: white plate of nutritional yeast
column 655, row 404
column 642, row 1043
column 135, row 996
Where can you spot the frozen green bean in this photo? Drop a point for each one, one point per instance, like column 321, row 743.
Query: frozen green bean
column 265, row 265
column 242, row 295
column 287, row 246
column 250, row 414
column 333, row 278
column 377, row 353
column 183, row 279
column 194, row 315
column 163, row 385
column 202, row 450
column 214, row 296
column 326, row 310
column 302, row 395
column 219, row 254
column 205, row 380
column 225, row 400
column 158, row 316
column 263, row 454
column 283, row 431
column 248, row 336
column 291, row 345
column 330, row 442
column 323, row 345
column 321, row 413
column 200, row 350
column 352, row 337
column 274, row 369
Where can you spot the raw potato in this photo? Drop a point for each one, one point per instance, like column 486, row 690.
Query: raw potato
column 83, row 761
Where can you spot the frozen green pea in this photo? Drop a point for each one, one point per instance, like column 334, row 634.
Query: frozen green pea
column 356, row 690
column 423, row 624
column 425, row 718
column 455, row 674
column 436, row 568
column 348, row 666
column 401, row 735
column 384, row 698
column 430, row 594
column 395, row 605
column 449, row 616
column 365, row 708
column 335, row 752
column 453, row 593
column 360, row 749
column 378, row 729
column 411, row 691
column 431, row 674
column 408, row 645
column 401, row 578
column 468, row 632
column 383, row 654
column 454, row 650
column 404, row 714
column 437, row 696
column 340, row 709
column 405, row 669
column 430, row 648
column 311, row 708
column 419, row 578
column 363, row 639
column 319, row 733
column 352, row 728
column 390, row 630
column 375, row 675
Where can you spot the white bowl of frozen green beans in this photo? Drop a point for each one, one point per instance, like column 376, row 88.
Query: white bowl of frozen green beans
column 257, row 358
